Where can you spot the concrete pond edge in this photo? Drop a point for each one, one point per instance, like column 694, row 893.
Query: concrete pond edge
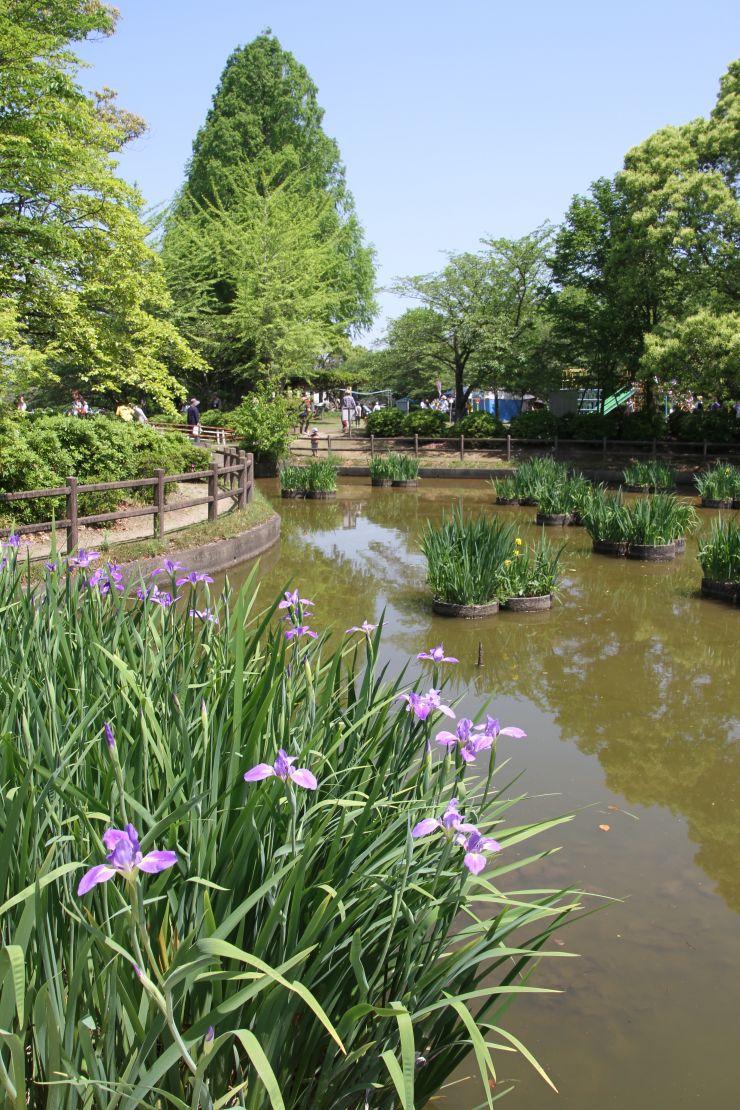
column 217, row 555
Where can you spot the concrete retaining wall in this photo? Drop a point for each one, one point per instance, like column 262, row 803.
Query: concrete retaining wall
column 215, row 557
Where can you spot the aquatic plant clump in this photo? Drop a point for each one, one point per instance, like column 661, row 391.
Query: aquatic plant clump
column 606, row 517
column 650, row 476
column 404, row 468
column 719, row 555
column 465, row 556
column 537, row 474
column 223, row 839
column 659, row 520
column 293, row 479
column 531, row 571
column 321, row 476
column 720, row 482
column 381, row 466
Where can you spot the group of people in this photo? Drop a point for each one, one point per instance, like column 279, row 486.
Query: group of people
column 437, row 404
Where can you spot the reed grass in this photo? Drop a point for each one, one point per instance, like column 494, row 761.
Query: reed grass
column 719, row 555
column 720, row 482
column 305, row 950
column 321, row 476
column 652, row 476
column 531, row 571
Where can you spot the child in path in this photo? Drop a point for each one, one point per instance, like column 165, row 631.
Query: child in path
column 315, row 442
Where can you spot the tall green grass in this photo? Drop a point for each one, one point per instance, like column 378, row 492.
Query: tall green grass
column 305, row 950
column 719, row 555
column 651, row 475
column 465, row 556
column 719, row 483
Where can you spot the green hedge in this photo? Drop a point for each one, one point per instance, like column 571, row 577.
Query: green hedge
column 44, row 452
column 386, row 422
column 481, row 424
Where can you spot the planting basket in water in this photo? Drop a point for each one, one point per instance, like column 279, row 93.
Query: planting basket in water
column 637, row 489
column 717, row 503
column 529, row 604
column 507, row 500
column 725, row 591
column 405, row 483
column 610, row 547
column 736, row 503
column 293, row 493
column 556, row 519
column 384, row 483
column 528, row 501
column 321, row 494
column 652, row 552
column 452, row 609
column 680, row 545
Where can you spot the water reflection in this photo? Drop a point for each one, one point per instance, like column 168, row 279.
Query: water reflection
column 628, row 689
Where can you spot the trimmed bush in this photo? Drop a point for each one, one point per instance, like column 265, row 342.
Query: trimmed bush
column 385, row 422
column 643, row 425
column 425, row 422
column 265, row 425
column 539, row 424
column 588, row 425
column 482, row 425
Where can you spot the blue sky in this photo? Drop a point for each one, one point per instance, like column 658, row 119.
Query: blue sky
column 455, row 120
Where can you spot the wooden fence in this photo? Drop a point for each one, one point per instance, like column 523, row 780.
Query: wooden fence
column 507, row 446
column 233, row 479
column 209, row 433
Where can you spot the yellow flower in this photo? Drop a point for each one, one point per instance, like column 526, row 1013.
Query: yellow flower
column 518, row 542
column 517, row 553
column 507, row 562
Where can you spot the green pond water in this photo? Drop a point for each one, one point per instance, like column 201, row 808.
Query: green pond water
column 629, row 693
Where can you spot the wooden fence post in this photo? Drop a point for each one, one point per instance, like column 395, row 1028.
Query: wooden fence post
column 462, row 448
column 213, row 491
column 603, row 449
column 555, row 446
column 244, row 480
column 328, row 443
column 71, row 514
column 159, row 504
column 704, row 449
column 508, row 448
column 250, row 483
column 372, row 446
column 655, row 450
column 416, row 444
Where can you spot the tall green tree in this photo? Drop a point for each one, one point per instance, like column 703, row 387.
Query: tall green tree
column 82, row 294
column 658, row 246
column 264, row 174
column 480, row 321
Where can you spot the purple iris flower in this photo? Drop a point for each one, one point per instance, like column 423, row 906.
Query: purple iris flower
column 124, row 856
column 470, row 745
column 282, row 769
column 169, row 566
column 156, row 596
column 84, row 558
column 106, row 580
column 301, row 630
column 109, row 737
column 193, row 578
column 3, row 564
column 292, row 600
column 493, row 729
column 51, row 567
column 365, row 627
column 421, row 705
column 475, row 845
column 204, row 615
column 437, row 655
column 13, row 540
column 450, row 822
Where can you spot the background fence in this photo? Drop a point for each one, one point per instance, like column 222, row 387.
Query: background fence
column 233, row 478
column 509, row 447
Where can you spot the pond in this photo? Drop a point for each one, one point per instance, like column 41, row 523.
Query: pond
column 629, row 693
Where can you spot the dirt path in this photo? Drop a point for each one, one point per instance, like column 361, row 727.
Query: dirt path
column 138, row 528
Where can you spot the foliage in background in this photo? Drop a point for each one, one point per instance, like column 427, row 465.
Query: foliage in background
column 263, row 251
column 44, row 452
column 82, row 294
column 288, row 915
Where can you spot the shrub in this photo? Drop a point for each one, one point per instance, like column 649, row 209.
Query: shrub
column 465, row 556
column 538, row 424
column 642, row 425
column 385, row 422
column 302, row 942
column 587, row 425
column 719, row 555
column 425, row 422
column 265, row 424
column 214, row 418
column 694, row 427
column 42, row 453
column 480, row 425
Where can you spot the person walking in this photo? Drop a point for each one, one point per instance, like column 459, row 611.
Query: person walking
column 349, row 406
column 315, row 442
column 192, row 415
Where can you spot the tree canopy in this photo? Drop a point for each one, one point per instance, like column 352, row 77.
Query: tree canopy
column 82, row 295
column 263, row 250
column 647, row 264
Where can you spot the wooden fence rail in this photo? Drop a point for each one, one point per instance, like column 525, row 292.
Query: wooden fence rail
column 233, row 479
column 504, row 446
